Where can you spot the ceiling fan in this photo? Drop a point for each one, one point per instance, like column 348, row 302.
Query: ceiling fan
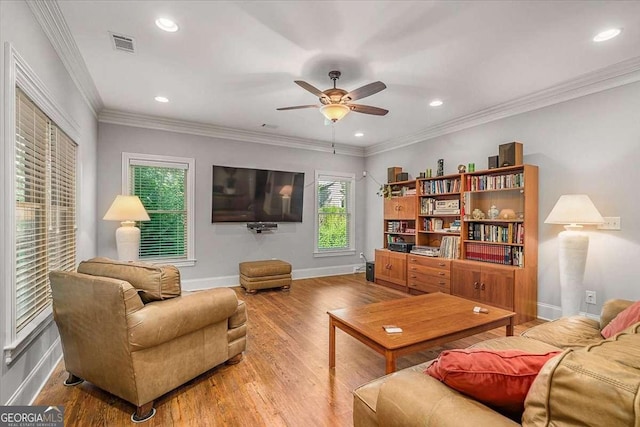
column 336, row 102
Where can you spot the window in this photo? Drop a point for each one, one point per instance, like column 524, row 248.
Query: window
column 165, row 186
column 334, row 213
column 45, row 208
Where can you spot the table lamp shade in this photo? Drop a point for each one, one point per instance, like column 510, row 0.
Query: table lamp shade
column 128, row 210
column 574, row 209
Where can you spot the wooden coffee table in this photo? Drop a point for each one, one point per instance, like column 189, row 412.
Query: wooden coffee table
column 426, row 320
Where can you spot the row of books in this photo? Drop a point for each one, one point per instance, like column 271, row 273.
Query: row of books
column 400, row 227
column 511, row 233
column 440, row 186
column 432, row 224
column 450, row 247
column 392, row 238
column 495, row 182
column 403, row 191
column 507, row 255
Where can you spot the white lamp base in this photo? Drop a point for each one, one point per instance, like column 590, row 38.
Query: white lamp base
column 128, row 241
column 574, row 246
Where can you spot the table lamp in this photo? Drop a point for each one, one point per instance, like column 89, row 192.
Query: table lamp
column 128, row 210
column 574, row 210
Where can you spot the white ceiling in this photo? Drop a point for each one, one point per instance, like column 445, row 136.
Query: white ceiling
column 232, row 64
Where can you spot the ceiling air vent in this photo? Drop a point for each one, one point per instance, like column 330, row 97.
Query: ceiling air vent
column 123, row 43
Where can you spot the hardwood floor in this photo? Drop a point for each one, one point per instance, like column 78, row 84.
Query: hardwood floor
column 283, row 379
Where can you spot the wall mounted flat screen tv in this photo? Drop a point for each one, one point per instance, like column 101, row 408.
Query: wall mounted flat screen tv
column 256, row 195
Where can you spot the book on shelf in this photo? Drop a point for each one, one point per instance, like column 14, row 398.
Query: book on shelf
column 510, row 233
column 506, row 255
column 450, row 247
column 495, row 182
column 440, row 186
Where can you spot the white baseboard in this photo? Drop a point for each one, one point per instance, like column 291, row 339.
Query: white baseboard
column 29, row 389
column 229, row 281
column 552, row 312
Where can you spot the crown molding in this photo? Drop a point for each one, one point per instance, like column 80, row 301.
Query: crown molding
column 619, row 74
column 203, row 129
column 49, row 16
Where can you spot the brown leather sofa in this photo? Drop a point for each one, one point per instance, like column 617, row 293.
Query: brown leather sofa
column 594, row 382
column 130, row 330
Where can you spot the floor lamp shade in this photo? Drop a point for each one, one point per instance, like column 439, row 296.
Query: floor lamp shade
column 127, row 210
column 574, row 211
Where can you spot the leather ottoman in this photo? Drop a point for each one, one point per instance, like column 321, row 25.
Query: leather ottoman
column 265, row 274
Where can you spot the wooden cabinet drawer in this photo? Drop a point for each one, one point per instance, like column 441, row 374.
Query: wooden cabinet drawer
column 426, row 283
column 437, row 272
column 432, row 262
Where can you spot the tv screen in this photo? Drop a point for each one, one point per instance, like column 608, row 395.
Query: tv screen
column 256, row 195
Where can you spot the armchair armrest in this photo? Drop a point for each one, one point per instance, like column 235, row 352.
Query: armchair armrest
column 161, row 321
column 611, row 309
column 412, row 399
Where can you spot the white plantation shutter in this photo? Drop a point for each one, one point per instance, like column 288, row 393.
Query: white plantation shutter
column 334, row 208
column 45, row 192
column 162, row 188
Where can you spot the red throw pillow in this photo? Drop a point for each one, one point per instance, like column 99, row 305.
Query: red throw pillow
column 498, row 378
column 623, row 320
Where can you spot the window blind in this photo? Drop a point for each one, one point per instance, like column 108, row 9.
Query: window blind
column 45, row 200
column 334, row 213
column 162, row 188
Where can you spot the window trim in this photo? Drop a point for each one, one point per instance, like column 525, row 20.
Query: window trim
column 351, row 250
column 160, row 160
column 19, row 73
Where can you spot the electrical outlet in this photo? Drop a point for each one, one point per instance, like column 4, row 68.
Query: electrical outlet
column 610, row 223
column 590, row 297
column 361, row 255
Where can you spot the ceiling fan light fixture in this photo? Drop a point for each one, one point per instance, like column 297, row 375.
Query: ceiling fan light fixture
column 334, row 112
column 603, row 36
column 167, row 25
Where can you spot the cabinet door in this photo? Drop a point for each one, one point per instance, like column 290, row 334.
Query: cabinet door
column 397, row 272
column 400, row 208
column 496, row 287
column 381, row 265
column 407, row 207
column 465, row 281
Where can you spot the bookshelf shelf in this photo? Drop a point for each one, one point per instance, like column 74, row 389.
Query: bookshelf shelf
column 493, row 243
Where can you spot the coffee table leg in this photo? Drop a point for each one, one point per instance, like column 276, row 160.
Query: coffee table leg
column 390, row 358
column 332, row 344
column 510, row 328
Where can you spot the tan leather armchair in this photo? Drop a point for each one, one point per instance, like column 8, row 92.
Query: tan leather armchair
column 139, row 351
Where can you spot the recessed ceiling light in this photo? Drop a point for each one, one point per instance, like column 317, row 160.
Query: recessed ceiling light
column 358, row 134
column 607, row 34
column 167, row 25
column 161, row 99
column 436, row 103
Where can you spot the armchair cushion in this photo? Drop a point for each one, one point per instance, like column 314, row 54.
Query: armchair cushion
column 498, row 378
column 162, row 321
column 153, row 282
column 622, row 321
column 566, row 332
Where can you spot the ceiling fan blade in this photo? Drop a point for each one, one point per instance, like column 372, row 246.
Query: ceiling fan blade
column 364, row 91
column 314, row 90
column 367, row 109
column 297, row 107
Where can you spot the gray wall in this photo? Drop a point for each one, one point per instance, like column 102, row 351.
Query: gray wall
column 221, row 246
column 22, row 379
column 588, row 145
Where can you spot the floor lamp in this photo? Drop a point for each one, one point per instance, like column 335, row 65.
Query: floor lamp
column 573, row 210
column 128, row 210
